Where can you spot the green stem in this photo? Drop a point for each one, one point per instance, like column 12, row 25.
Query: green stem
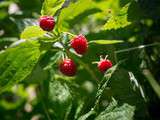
column 103, row 84
column 43, row 103
column 69, row 34
column 154, row 84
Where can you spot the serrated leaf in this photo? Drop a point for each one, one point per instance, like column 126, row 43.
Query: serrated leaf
column 32, row 32
column 103, row 84
column 113, row 112
column 17, row 63
column 118, row 21
column 106, row 41
column 105, row 80
column 50, row 7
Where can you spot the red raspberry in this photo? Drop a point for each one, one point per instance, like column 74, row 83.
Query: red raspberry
column 47, row 23
column 68, row 67
column 79, row 44
column 104, row 65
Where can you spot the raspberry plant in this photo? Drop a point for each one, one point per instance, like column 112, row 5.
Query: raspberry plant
column 47, row 53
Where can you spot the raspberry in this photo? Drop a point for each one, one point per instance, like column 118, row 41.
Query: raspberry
column 68, row 67
column 104, row 65
column 47, row 23
column 79, row 44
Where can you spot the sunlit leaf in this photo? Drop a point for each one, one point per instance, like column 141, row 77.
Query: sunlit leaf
column 118, row 21
column 32, row 32
column 17, row 63
column 106, row 41
column 50, row 7
column 72, row 12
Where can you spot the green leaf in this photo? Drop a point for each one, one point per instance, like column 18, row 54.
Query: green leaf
column 123, row 91
column 50, row 7
column 106, row 41
column 118, row 21
column 60, row 98
column 32, row 32
column 72, row 12
column 17, row 63
column 54, row 60
column 113, row 112
column 104, row 83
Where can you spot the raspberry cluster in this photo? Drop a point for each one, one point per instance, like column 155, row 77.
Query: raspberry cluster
column 79, row 43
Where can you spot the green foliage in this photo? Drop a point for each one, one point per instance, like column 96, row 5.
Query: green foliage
column 17, row 63
column 74, row 13
column 106, row 41
column 118, row 21
column 54, row 60
column 32, row 32
column 50, row 7
column 113, row 112
column 125, row 30
column 104, row 82
column 16, row 91
column 60, row 98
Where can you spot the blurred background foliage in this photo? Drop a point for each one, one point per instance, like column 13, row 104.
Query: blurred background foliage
column 47, row 94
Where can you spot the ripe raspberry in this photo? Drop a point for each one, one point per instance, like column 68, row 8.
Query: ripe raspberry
column 68, row 67
column 79, row 44
column 47, row 23
column 104, row 65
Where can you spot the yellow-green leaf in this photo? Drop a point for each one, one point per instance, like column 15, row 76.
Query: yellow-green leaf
column 106, row 41
column 50, row 7
column 32, row 32
column 118, row 21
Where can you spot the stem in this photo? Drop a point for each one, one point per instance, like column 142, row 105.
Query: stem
column 103, row 84
column 43, row 103
column 55, row 34
column 51, row 34
column 135, row 48
column 154, row 84
column 70, row 34
column 98, row 96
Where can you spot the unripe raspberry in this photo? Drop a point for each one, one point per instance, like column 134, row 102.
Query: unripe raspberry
column 47, row 23
column 68, row 67
column 79, row 44
column 104, row 65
